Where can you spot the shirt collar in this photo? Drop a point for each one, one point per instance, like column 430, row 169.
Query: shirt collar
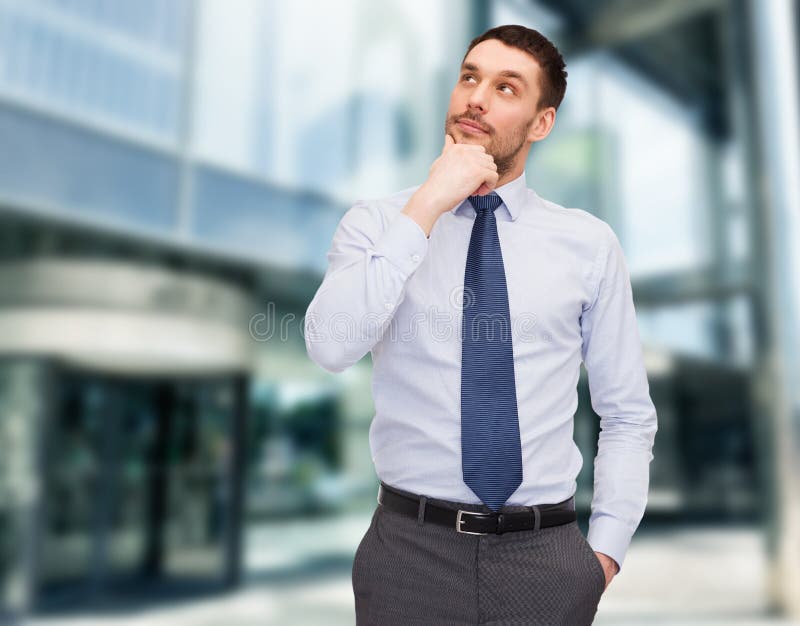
column 513, row 194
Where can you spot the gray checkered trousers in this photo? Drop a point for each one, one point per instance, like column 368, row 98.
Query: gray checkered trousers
column 407, row 571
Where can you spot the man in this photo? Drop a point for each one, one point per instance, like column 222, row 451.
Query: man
column 472, row 435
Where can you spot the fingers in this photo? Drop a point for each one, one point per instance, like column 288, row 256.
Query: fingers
column 489, row 182
column 488, row 171
column 488, row 160
column 485, row 160
column 482, row 190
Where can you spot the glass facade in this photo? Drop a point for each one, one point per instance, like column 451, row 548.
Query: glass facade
column 117, row 92
column 63, row 169
column 137, row 483
column 119, row 63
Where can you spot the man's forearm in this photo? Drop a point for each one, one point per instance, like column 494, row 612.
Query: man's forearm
column 424, row 207
column 363, row 286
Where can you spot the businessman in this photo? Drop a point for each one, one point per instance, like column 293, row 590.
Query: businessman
column 478, row 300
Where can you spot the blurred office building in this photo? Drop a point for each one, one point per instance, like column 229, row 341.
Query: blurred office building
column 171, row 175
column 138, row 288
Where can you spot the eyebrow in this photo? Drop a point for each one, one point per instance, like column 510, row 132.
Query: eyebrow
column 507, row 73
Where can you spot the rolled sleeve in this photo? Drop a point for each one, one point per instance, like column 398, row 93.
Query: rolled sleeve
column 403, row 243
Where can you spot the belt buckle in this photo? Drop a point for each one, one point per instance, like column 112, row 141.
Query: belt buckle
column 459, row 521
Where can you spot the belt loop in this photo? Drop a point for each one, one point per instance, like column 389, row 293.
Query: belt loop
column 421, row 513
column 537, row 514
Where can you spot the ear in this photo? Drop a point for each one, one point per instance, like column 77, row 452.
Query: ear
column 545, row 120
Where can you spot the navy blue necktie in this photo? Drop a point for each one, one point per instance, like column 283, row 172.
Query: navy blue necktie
column 490, row 444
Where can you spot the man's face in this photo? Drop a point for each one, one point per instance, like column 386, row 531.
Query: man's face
column 504, row 106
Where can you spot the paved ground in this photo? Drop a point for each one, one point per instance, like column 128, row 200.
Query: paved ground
column 300, row 575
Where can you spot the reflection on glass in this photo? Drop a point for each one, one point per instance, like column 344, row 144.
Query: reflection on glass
column 72, row 482
column 137, row 482
column 198, row 463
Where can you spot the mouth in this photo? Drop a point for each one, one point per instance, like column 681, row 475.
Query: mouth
column 471, row 127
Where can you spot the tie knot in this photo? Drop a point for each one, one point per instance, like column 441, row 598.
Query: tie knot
column 489, row 201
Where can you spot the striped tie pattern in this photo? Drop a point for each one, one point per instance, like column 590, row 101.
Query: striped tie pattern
column 491, row 451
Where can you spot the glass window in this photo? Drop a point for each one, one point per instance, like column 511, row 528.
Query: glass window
column 349, row 104
column 127, row 184
column 66, row 59
column 282, row 226
column 630, row 154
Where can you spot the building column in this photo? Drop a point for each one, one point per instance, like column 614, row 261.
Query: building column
column 771, row 59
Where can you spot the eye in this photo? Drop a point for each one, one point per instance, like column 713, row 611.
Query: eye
column 466, row 76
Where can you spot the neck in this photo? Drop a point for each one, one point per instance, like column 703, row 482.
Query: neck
column 508, row 177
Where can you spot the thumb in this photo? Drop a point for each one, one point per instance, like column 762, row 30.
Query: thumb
column 448, row 140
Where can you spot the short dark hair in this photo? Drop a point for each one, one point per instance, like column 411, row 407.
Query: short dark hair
column 553, row 82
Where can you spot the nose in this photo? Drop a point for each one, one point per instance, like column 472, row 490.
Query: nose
column 477, row 99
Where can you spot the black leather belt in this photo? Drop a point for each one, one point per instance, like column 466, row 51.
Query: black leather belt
column 473, row 522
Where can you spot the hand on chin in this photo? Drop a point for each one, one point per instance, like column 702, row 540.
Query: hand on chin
column 482, row 190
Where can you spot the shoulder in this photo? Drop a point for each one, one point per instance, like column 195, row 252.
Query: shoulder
column 583, row 223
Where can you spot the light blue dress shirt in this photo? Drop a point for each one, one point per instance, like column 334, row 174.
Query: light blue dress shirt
column 398, row 294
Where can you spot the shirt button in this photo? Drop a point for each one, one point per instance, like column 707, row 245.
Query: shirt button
column 415, row 257
column 388, row 305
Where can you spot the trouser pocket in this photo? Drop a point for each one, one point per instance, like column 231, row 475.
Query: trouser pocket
column 358, row 575
column 598, row 575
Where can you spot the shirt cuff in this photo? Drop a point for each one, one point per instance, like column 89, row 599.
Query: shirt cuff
column 403, row 243
column 609, row 536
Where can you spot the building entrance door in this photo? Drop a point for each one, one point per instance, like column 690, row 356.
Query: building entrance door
column 141, row 486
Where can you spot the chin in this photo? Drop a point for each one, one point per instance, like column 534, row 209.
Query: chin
column 467, row 135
